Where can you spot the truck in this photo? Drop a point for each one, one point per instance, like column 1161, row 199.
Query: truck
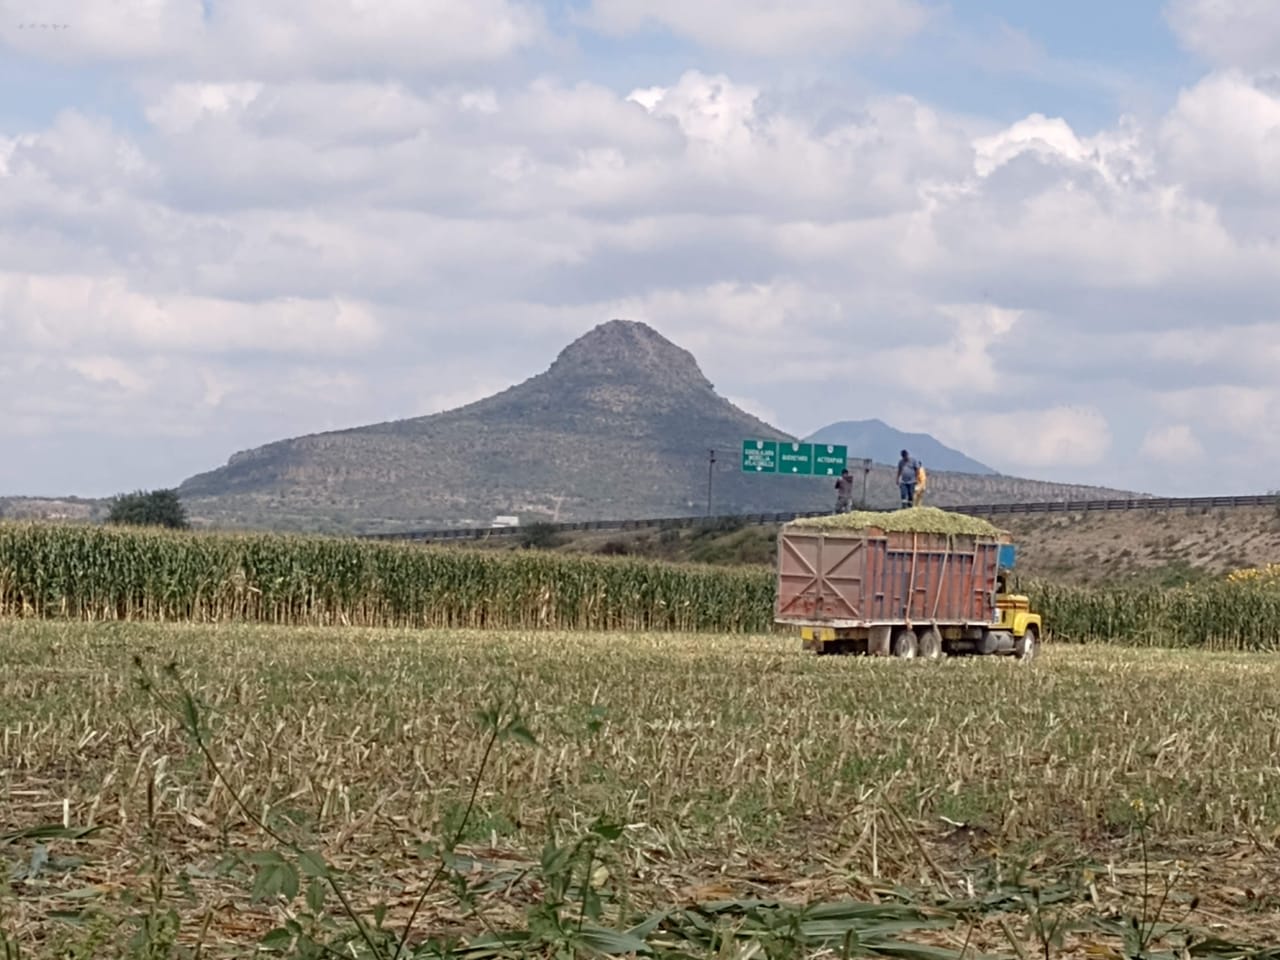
column 875, row 592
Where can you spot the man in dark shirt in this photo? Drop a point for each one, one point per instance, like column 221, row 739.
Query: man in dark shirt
column 844, row 491
column 907, row 479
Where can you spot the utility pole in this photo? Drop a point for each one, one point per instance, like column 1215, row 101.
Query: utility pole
column 711, row 465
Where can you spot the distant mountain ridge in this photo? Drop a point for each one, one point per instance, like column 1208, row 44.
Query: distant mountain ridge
column 618, row 426
column 880, row 442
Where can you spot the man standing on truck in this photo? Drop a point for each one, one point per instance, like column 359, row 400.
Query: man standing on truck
column 844, row 491
column 907, row 479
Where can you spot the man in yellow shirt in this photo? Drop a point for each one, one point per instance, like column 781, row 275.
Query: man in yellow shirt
column 922, row 480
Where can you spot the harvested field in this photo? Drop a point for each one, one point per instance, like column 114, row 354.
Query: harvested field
column 927, row 805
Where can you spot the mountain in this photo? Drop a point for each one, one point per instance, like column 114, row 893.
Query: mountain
column 880, row 442
column 618, row 426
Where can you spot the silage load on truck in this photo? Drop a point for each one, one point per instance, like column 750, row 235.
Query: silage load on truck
column 909, row 520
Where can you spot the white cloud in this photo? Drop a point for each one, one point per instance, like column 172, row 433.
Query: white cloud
column 184, row 105
column 77, row 152
column 1116, row 156
column 1173, row 444
column 1247, row 352
column 280, row 250
column 702, row 145
column 1251, row 412
column 739, row 150
column 91, row 30
column 767, row 27
column 111, row 370
column 1242, row 33
column 709, row 109
column 961, row 365
column 1223, row 137
column 1072, row 229
column 1046, row 137
column 284, row 38
column 319, row 36
column 52, row 312
column 1059, row 437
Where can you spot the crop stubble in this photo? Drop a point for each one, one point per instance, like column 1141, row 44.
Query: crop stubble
column 734, row 760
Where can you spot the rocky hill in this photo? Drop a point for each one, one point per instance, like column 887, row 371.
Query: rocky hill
column 618, row 426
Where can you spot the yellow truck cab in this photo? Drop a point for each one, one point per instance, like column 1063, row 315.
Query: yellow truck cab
column 1016, row 618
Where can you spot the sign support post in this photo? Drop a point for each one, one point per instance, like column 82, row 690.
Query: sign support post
column 711, row 465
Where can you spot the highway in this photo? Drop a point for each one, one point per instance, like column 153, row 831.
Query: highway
column 762, row 519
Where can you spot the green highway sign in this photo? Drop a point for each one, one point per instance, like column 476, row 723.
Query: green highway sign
column 829, row 459
column 795, row 458
column 759, row 456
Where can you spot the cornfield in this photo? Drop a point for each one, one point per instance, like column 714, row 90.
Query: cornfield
column 1265, row 576
column 1241, row 614
column 105, row 573
column 102, row 573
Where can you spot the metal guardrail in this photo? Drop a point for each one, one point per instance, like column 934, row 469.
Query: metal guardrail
column 763, row 519
column 1143, row 503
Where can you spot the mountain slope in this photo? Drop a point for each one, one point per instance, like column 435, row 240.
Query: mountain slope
column 618, row 426
column 880, row 442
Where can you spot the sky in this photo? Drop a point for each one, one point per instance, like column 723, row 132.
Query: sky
column 1046, row 234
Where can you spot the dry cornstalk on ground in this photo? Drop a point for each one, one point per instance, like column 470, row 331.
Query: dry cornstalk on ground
column 692, row 781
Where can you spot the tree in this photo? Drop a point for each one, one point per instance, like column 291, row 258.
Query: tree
column 540, row 536
column 157, row 508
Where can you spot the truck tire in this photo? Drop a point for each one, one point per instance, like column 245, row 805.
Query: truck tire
column 1028, row 645
column 905, row 644
column 931, row 643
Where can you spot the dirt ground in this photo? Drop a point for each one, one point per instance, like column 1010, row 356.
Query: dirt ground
column 1164, row 545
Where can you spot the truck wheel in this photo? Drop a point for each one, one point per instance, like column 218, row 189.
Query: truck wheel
column 1027, row 645
column 905, row 644
column 931, row 643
